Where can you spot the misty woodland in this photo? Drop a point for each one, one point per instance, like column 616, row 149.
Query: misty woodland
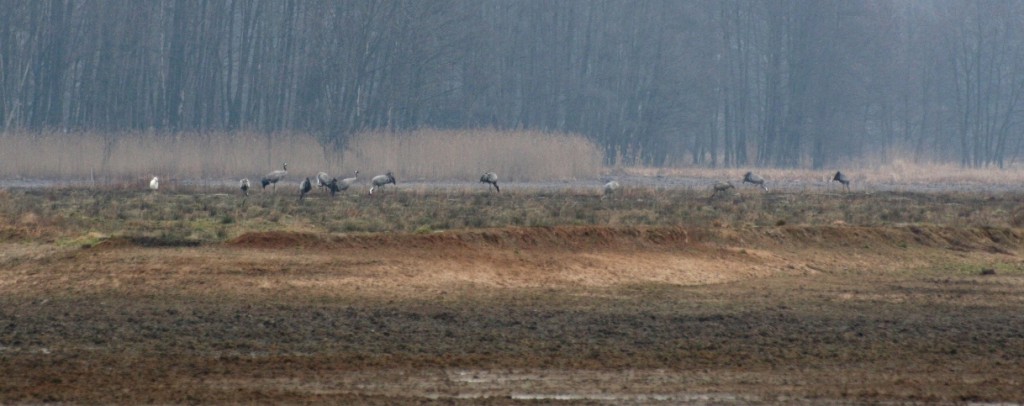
column 787, row 83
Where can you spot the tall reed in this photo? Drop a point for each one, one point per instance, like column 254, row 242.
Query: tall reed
column 893, row 171
column 514, row 155
column 426, row 154
column 141, row 155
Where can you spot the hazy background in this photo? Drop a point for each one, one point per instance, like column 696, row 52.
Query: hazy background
column 723, row 83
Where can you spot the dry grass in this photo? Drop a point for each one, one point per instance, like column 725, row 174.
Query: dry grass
column 427, row 154
column 515, row 156
column 189, row 215
column 815, row 315
column 142, row 155
column 518, row 156
column 761, row 297
column 897, row 171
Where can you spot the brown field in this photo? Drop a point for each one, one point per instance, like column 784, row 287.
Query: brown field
column 466, row 297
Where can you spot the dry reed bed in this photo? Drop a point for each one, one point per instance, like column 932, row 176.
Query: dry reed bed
column 516, row 156
column 425, row 154
column 896, row 172
column 520, row 156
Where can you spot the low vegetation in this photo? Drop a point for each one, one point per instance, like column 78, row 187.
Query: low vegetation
column 553, row 293
column 847, row 296
column 189, row 215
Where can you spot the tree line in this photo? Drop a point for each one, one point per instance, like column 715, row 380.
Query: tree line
column 788, row 83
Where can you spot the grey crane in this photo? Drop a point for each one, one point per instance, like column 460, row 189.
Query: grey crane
column 492, row 178
column 753, row 178
column 841, row 178
column 332, row 186
column 344, row 184
column 274, row 177
column 244, row 185
column 721, row 187
column 380, row 180
column 322, row 179
column 610, row 188
column 304, row 188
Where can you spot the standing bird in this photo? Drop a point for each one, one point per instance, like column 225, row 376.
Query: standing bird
column 380, row 180
column 332, row 186
column 610, row 188
column 343, row 184
column 322, row 180
column 244, row 185
column 841, row 178
column 721, row 187
column 274, row 177
column 154, row 184
column 304, row 188
column 750, row 177
column 492, row 178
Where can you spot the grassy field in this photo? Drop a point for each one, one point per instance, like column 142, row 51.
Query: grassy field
column 209, row 215
column 464, row 296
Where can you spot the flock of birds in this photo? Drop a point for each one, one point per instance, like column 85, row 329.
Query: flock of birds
column 754, row 179
column 333, row 185
column 323, row 182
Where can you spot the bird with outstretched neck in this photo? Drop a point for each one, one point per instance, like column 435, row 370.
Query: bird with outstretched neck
column 273, row 177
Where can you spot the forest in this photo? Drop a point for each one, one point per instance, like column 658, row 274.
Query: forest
column 722, row 83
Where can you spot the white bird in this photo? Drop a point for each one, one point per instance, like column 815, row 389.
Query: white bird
column 750, row 177
column 492, row 178
column 610, row 188
column 380, row 180
column 244, row 185
column 154, row 184
column 322, row 179
column 304, row 188
column 274, row 177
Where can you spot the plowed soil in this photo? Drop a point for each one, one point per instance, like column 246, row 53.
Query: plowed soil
column 616, row 315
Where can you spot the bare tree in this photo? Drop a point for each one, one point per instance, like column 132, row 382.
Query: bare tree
column 715, row 83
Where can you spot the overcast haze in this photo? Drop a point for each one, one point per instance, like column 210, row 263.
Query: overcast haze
column 785, row 83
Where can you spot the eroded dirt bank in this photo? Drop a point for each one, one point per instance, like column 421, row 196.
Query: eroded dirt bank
column 576, row 314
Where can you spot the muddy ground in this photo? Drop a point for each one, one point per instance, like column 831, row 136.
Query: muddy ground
column 627, row 315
